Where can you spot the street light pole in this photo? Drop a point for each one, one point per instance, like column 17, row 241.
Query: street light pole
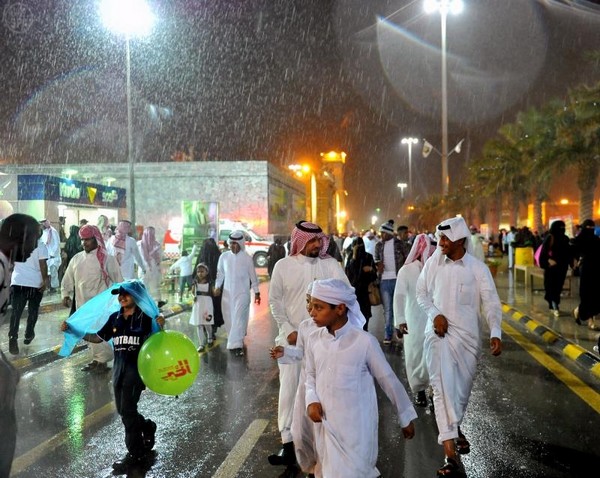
column 445, row 180
column 130, row 157
column 128, row 18
column 444, row 6
column 410, row 142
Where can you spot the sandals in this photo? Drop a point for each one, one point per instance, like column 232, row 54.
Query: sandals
column 462, row 444
column 450, row 468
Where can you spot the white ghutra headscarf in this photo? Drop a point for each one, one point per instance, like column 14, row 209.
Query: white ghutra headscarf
column 454, row 229
column 335, row 292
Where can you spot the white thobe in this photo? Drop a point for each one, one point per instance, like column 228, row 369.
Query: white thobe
column 510, row 237
column 287, row 300
column 460, row 291
column 51, row 239
column 151, row 275
column 84, row 275
column 407, row 311
column 340, row 373
column 235, row 276
column 302, row 427
column 477, row 247
column 127, row 258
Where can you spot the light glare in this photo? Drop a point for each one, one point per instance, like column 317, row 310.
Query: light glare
column 127, row 17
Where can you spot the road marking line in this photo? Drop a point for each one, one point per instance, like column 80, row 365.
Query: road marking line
column 24, row 461
column 579, row 387
column 238, row 454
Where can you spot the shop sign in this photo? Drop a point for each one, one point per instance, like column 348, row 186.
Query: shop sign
column 70, row 191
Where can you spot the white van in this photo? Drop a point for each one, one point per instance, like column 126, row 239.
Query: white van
column 256, row 246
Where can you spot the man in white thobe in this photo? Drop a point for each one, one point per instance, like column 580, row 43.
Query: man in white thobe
column 454, row 288
column 124, row 248
column 476, row 244
column 90, row 272
column 410, row 319
column 307, row 260
column 51, row 240
column 341, row 362
column 236, row 276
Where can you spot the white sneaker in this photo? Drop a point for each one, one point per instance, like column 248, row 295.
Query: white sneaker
column 556, row 312
column 596, row 349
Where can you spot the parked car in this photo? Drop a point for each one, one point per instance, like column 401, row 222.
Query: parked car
column 256, row 246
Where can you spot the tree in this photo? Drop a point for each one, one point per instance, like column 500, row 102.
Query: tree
column 578, row 141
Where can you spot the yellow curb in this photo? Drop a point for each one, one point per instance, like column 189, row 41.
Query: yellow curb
column 550, row 337
column 573, row 351
column 532, row 325
column 518, row 316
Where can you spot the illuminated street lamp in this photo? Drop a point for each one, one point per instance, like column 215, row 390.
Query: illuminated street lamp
column 410, row 142
column 402, row 187
column 130, row 18
column 455, row 7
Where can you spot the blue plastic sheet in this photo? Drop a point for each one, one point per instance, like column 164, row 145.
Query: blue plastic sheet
column 91, row 316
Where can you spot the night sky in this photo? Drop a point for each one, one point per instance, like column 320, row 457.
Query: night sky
column 285, row 80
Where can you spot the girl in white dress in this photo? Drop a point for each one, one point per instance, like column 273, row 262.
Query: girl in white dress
column 202, row 309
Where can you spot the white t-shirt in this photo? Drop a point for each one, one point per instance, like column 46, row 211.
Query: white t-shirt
column 28, row 273
column 389, row 260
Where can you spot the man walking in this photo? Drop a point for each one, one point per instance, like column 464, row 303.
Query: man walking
column 18, row 238
column 453, row 289
column 125, row 249
column 307, row 261
column 390, row 254
column 235, row 276
column 90, row 272
column 27, row 286
column 51, row 239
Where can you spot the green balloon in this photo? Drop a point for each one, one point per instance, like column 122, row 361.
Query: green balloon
column 168, row 362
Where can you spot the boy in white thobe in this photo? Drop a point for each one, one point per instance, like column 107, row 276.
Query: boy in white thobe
column 302, row 427
column 341, row 362
column 236, row 275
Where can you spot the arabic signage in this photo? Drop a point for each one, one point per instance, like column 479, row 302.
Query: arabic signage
column 69, row 191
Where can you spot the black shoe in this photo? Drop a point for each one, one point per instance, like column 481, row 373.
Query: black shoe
column 149, row 435
column 286, row 456
column 90, row 366
column 291, row 471
column 123, row 465
column 101, row 367
column 28, row 340
column 162, row 303
column 13, row 346
column 421, row 399
column 239, row 352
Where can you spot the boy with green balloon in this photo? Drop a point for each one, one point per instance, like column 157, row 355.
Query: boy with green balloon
column 129, row 327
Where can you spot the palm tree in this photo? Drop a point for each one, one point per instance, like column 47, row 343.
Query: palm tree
column 578, row 141
column 536, row 143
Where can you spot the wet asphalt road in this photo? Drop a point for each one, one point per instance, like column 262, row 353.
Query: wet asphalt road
column 532, row 414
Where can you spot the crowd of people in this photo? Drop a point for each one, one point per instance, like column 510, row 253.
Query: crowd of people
column 436, row 292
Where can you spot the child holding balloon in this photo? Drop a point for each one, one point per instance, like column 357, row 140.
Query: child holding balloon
column 129, row 328
column 202, row 310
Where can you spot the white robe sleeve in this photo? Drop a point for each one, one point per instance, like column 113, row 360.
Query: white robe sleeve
column 400, row 293
column 389, row 383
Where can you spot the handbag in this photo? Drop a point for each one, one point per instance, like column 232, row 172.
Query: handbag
column 374, row 294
